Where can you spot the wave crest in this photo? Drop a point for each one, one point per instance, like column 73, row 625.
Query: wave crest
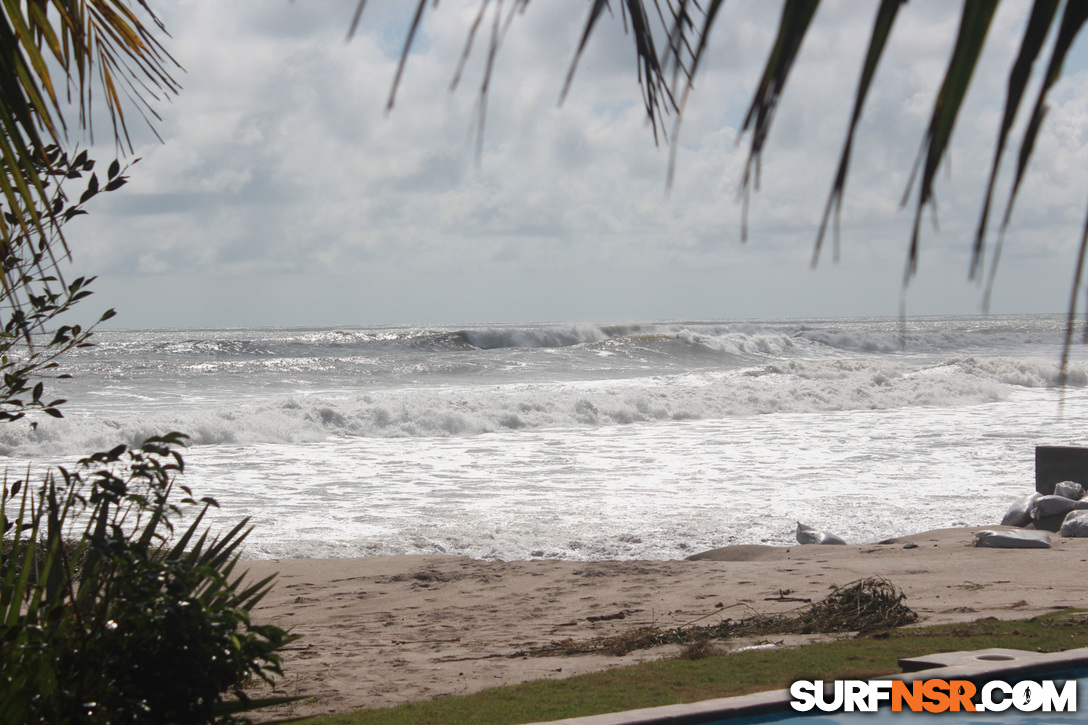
column 491, row 338
column 798, row 386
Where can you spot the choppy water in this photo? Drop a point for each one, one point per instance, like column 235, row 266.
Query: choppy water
column 648, row 440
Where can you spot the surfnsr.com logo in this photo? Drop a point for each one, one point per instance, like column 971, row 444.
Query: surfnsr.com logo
column 934, row 696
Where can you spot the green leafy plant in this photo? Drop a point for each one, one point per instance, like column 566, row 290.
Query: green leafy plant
column 105, row 615
column 35, row 295
column 131, row 624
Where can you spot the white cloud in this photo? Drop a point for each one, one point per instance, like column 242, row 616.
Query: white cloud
column 281, row 171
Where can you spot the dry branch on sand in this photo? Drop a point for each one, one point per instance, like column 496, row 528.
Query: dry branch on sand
column 863, row 605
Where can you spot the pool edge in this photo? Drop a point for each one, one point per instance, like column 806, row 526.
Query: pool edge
column 774, row 701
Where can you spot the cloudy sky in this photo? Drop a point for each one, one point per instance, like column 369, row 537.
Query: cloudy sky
column 283, row 194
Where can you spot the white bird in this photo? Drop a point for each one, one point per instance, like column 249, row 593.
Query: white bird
column 807, row 535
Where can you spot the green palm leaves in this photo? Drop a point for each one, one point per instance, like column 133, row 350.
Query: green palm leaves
column 93, row 43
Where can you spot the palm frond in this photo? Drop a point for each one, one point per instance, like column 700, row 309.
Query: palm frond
column 1072, row 23
column 885, row 19
column 407, row 48
column 1042, row 16
column 679, row 45
column 796, row 16
column 974, row 26
column 99, row 46
column 1070, row 319
column 667, row 72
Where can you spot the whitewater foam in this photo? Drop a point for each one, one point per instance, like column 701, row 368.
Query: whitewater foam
column 793, row 386
column 641, row 440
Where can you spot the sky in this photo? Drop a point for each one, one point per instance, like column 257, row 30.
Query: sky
column 283, row 193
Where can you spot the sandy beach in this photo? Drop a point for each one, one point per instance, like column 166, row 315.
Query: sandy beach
column 381, row 631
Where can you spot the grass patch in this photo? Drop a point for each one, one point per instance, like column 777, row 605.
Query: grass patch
column 671, row 681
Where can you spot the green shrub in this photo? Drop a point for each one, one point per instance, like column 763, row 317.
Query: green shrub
column 106, row 616
column 34, row 297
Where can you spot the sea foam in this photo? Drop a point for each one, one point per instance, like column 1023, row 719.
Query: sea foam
column 792, row 386
column 581, row 441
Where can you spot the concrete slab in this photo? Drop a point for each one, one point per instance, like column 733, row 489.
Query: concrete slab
column 1054, row 464
column 949, row 659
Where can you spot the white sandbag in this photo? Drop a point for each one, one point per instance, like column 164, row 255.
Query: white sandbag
column 1019, row 514
column 809, row 535
column 1052, row 506
column 1013, row 539
column 1069, row 489
column 1075, row 524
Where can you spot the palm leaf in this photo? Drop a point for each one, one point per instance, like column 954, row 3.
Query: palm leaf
column 73, row 37
column 882, row 28
column 678, row 45
column 1072, row 22
column 1071, row 317
column 407, row 48
column 796, row 16
column 1042, row 16
column 974, row 26
column 687, row 40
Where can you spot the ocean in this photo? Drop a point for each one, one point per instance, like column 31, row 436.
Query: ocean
column 581, row 441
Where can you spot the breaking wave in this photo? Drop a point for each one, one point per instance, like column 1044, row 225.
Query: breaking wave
column 793, row 386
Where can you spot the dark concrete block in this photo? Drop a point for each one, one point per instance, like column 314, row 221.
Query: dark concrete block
column 1054, row 464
